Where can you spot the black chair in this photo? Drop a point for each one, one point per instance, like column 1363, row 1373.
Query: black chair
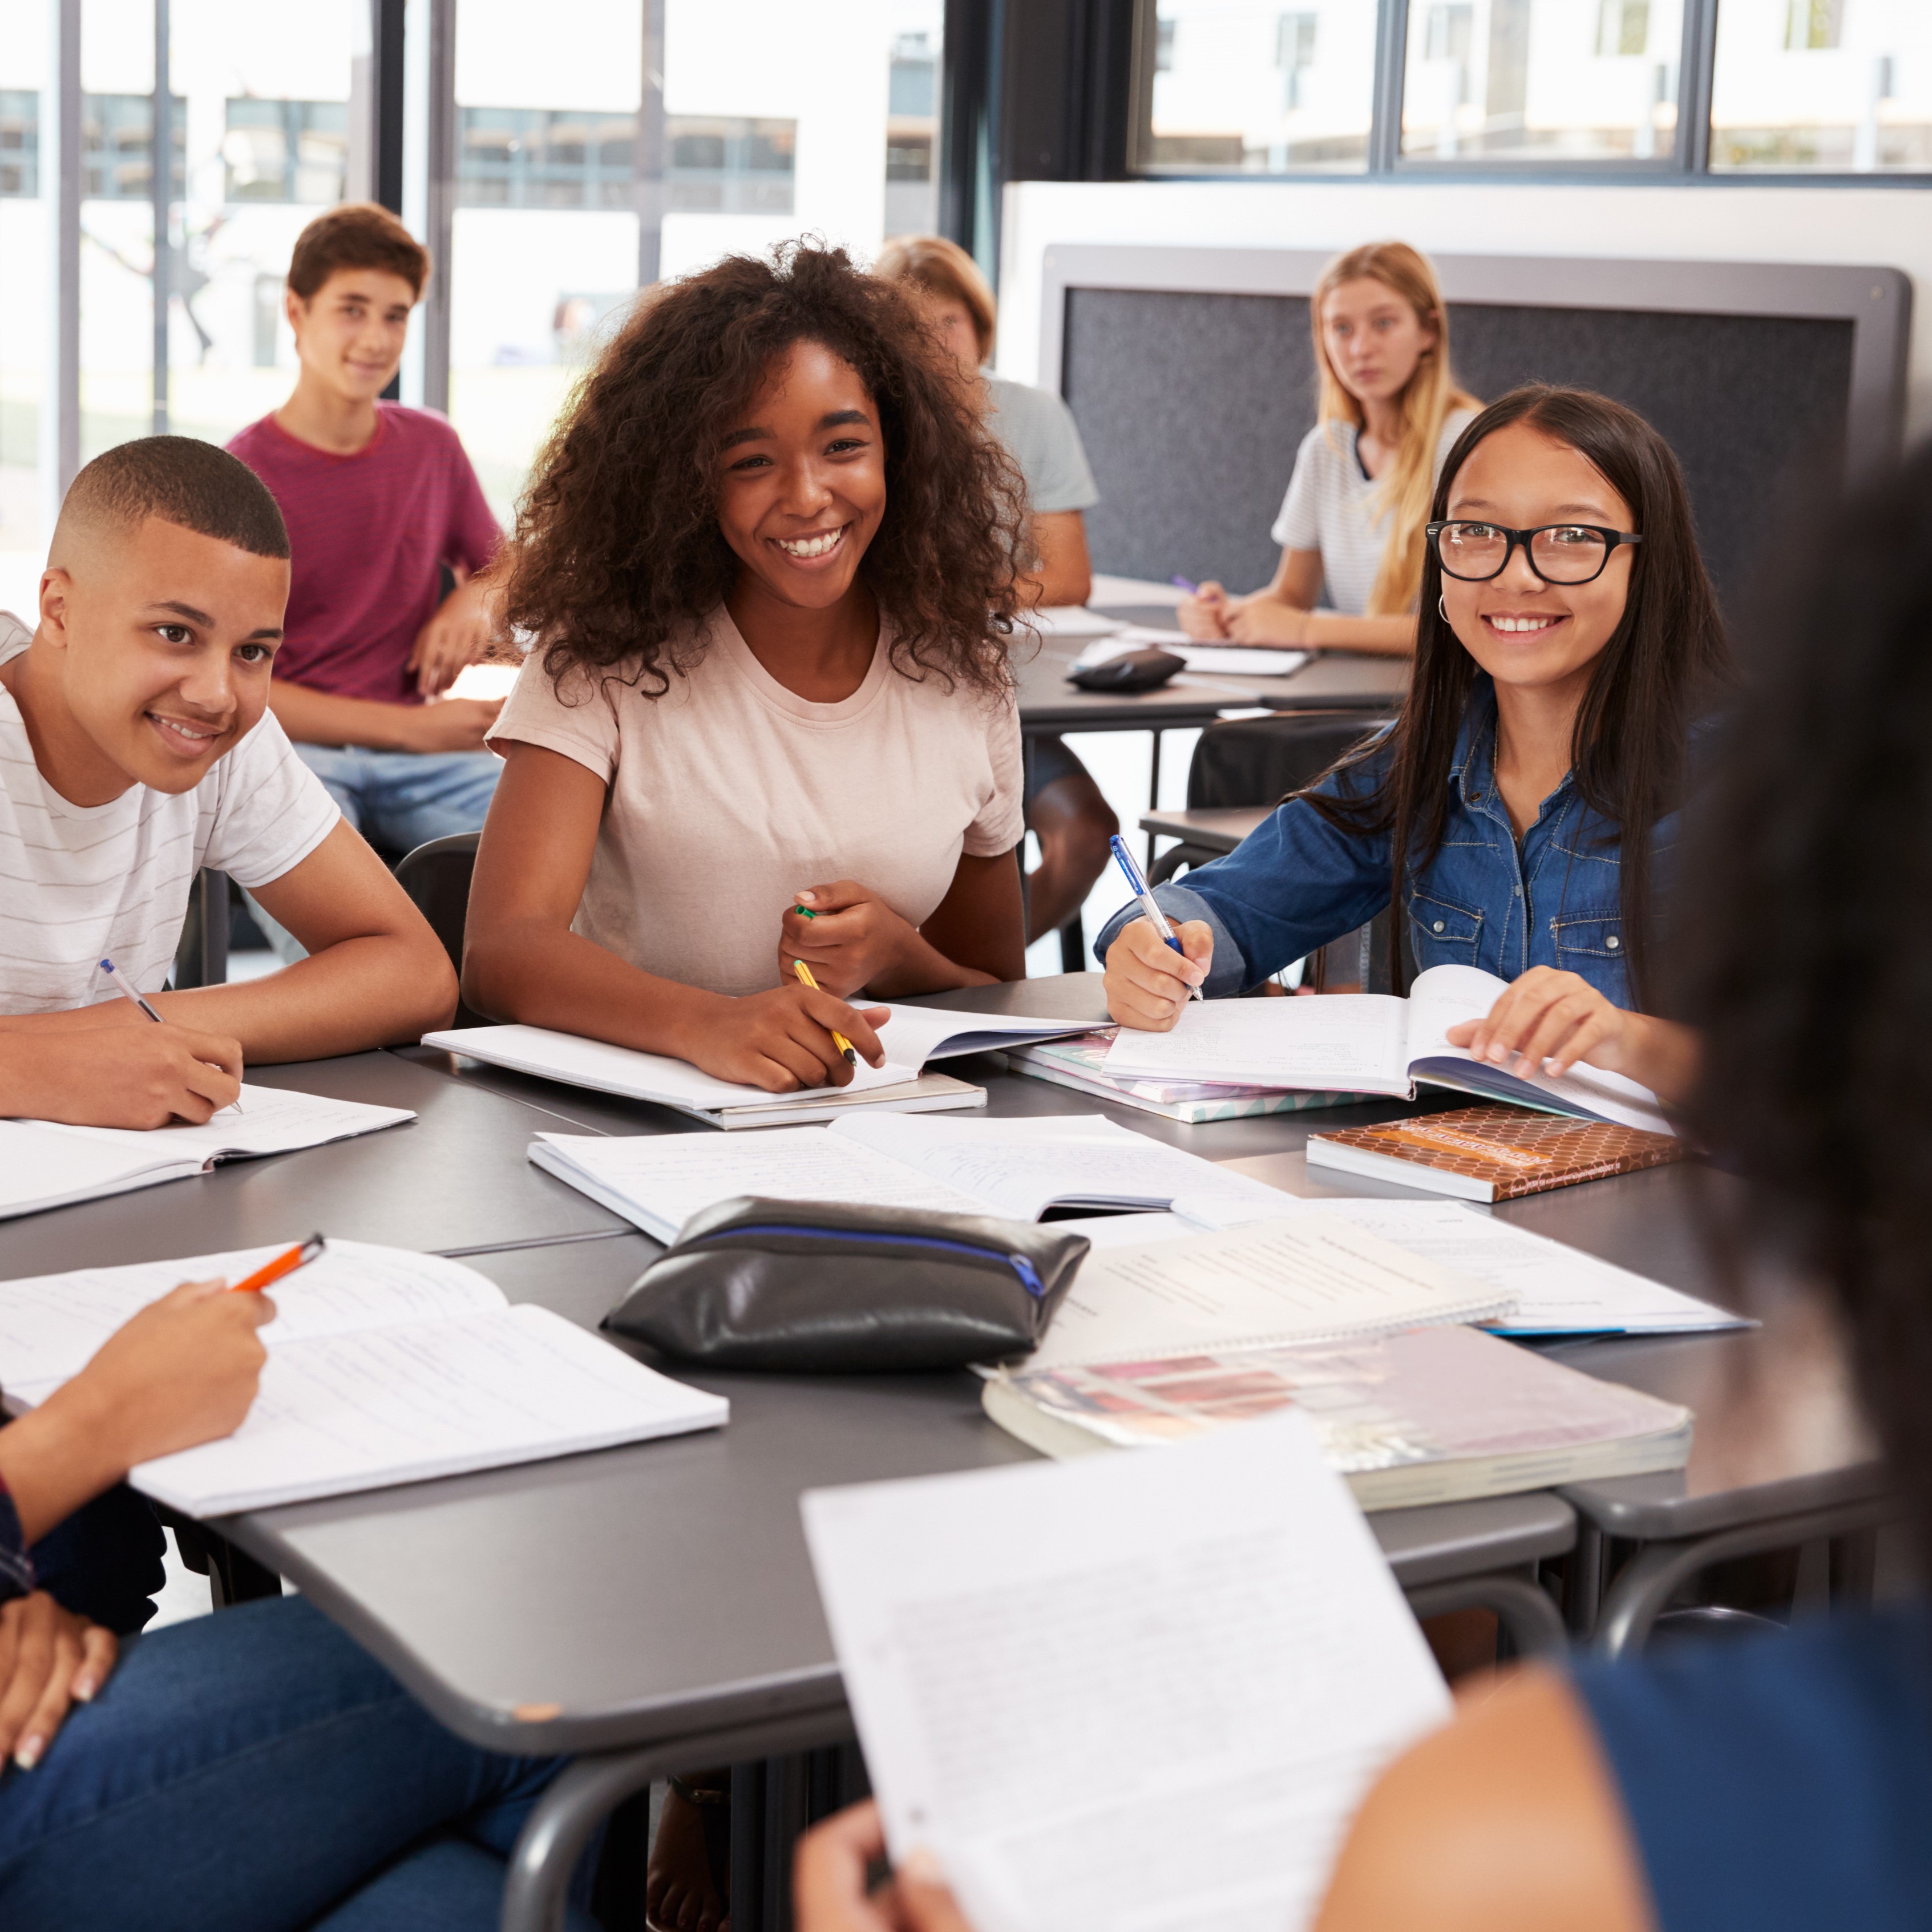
column 1245, row 761
column 201, row 956
column 436, row 877
column 1250, row 761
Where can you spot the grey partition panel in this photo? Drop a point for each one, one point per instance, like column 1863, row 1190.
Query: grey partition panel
column 1192, row 376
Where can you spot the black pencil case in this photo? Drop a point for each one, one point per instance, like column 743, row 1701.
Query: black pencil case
column 814, row 1287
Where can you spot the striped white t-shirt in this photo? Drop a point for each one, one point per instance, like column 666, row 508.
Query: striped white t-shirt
column 80, row 883
column 1331, row 507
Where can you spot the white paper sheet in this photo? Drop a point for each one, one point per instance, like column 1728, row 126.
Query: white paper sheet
column 1559, row 1289
column 1226, row 660
column 41, row 1167
column 51, row 1324
column 1141, row 1692
column 1307, row 1278
column 343, row 1412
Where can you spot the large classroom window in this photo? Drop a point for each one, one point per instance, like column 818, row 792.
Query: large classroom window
column 1842, row 86
column 1659, row 87
column 1259, row 89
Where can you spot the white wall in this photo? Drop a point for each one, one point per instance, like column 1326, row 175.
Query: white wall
column 1882, row 226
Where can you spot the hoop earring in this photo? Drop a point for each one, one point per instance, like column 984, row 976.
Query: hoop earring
column 1441, row 609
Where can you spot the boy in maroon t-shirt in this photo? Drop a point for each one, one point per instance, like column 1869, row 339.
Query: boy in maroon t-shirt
column 378, row 500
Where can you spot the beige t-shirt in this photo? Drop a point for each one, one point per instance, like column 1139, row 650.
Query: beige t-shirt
column 729, row 793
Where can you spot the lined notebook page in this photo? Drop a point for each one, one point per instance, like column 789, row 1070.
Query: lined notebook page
column 1129, row 1690
column 1307, row 1278
column 344, row 1412
column 271, row 1120
column 1352, row 1041
column 51, row 1324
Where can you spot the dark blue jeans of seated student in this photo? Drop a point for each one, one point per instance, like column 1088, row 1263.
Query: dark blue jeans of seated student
column 104, row 1562
column 255, row 1771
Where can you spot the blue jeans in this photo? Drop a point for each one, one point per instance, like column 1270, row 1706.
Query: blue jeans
column 397, row 800
column 254, row 1770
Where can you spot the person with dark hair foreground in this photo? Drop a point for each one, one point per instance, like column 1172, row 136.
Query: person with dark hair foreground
column 1783, row 1782
column 1568, row 649
column 248, row 1771
column 769, row 560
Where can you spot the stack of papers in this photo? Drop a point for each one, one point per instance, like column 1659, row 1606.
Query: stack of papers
column 49, row 1164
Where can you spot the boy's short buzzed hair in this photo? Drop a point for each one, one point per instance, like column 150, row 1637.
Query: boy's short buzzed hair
column 181, row 480
column 357, row 234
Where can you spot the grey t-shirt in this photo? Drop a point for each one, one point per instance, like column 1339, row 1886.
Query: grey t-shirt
column 1039, row 431
column 1331, row 506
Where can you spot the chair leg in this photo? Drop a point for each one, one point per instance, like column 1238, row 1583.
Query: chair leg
column 1073, row 946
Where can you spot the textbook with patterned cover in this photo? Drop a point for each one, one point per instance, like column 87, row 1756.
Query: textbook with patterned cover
column 1491, row 1153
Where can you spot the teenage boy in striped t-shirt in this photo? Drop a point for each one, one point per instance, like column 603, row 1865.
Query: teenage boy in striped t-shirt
column 380, row 501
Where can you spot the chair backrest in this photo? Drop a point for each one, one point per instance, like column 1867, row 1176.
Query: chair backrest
column 1259, row 760
column 436, row 877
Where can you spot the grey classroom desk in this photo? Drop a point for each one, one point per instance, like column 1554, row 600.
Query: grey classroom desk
column 458, row 1177
column 654, row 1606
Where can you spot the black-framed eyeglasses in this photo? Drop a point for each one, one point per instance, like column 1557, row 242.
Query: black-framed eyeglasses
column 1558, row 552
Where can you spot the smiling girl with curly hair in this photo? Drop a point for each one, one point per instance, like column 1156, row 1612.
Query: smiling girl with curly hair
column 768, row 560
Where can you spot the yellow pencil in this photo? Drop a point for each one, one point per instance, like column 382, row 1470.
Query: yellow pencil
column 838, row 1039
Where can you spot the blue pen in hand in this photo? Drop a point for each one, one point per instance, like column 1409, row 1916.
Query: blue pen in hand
column 1138, row 886
column 125, row 988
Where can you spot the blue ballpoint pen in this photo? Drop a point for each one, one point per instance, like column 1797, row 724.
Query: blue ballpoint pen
column 1138, row 885
column 124, row 987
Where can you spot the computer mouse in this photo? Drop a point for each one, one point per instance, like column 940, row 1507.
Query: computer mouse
column 1133, row 670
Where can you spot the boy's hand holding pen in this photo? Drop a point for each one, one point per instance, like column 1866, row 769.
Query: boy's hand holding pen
column 126, row 989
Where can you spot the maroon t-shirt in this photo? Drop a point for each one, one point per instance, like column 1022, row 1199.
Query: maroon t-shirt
column 368, row 532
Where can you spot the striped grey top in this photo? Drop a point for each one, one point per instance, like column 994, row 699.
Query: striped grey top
column 1331, row 507
column 80, row 883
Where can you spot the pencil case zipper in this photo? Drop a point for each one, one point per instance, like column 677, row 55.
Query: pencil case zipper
column 1028, row 1275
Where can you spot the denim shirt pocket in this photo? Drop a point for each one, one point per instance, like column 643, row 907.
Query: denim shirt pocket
column 1588, row 937
column 1442, row 932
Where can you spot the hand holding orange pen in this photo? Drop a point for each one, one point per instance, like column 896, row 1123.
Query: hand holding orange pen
column 284, row 1263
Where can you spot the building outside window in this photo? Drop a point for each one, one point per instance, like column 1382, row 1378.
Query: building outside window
column 1245, row 86
column 1838, row 85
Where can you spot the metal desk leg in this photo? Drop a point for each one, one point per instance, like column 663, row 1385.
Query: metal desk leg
column 559, row 1826
column 1153, row 793
column 1657, row 1572
column 1521, row 1606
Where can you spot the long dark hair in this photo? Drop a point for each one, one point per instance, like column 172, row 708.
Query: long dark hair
column 1808, row 965
column 1667, row 661
column 617, row 550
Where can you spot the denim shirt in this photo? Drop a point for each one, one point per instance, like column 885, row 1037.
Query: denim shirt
column 1297, row 882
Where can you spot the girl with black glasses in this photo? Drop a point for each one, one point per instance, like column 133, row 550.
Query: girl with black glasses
column 1568, row 644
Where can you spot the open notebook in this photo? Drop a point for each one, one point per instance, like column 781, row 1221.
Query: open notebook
column 1131, row 1691
column 913, row 1035
column 47, row 1164
column 1371, row 1043
column 1015, row 1168
column 384, row 1367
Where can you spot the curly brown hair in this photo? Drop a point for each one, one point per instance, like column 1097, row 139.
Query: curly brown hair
column 618, row 554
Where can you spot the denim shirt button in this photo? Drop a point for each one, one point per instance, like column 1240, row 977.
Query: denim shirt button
column 1611, row 942
column 1438, row 928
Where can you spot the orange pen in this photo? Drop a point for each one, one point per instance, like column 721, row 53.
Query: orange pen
column 285, row 1263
